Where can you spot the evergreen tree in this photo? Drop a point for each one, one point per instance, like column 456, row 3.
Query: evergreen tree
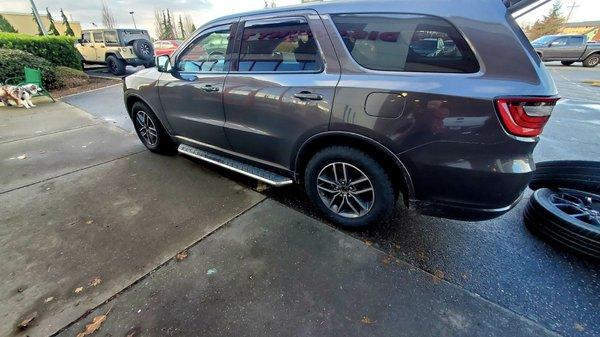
column 40, row 33
column 181, row 27
column 52, row 29
column 5, row 26
column 68, row 30
column 552, row 23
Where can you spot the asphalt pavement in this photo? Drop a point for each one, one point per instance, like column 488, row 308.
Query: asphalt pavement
column 497, row 260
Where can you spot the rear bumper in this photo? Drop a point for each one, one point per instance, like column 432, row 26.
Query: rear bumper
column 469, row 182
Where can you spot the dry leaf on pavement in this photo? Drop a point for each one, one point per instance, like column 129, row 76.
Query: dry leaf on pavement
column 95, row 281
column 21, row 157
column 182, row 255
column 49, row 299
column 367, row 320
column 78, row 290
column 25, row 322
column 438, row 276
column 93, row 327
column 368, row 242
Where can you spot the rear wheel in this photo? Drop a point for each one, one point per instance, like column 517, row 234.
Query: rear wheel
column 592, row 61
column 567, row 63
column 115, row 65
column 349, row 187
column 151, row 132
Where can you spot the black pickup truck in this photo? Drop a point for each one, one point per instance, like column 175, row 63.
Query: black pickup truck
column 568, row 49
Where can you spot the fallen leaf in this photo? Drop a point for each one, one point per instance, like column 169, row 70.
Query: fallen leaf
column 132, row 332
column 49, row 299
column 78, row 290
column 438, row 275
column 95, row 281
column 387, row 259
column 211, row 271
column 579, row 327
column 89, row 222
column 421, row 257
column 367, row 320
column 182, row 255
column 93, row 327
column 368, row 242
column 21, row 157
column 25, row 322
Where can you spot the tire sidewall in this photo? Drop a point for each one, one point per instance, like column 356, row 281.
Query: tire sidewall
column 384, row 199
column 119, row 65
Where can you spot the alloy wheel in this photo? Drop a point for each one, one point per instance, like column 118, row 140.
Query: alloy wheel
column 579, row 205
column 146, row 128
column 345, row 190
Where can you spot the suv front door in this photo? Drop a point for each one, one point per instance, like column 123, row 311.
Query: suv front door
column 281, row 90
column 192, row 94
column 86, row 47
column 99, row 46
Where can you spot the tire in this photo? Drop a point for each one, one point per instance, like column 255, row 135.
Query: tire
column 591, row 61
column 567, row 63
column 545, row 219
column 143, row 49
column 115, row 65
column 161, row 142
column 578, row 175
column 357, row 165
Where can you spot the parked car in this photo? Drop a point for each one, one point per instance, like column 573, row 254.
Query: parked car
column 346, row 99
column 568, row 49
column 165, row 47
column 117, row 48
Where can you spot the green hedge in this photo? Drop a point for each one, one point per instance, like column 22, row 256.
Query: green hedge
column 12, row 63
column 59, row 50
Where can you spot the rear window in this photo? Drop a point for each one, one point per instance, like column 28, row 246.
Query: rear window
column 402, row 42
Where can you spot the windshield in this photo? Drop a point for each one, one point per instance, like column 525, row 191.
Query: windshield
column 544, row 39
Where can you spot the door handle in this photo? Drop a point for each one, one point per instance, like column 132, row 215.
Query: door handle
column 210, row 88
column 308, row 96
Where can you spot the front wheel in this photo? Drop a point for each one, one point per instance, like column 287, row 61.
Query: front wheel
column 349, row 187
column 592, row 61
column 151, row 132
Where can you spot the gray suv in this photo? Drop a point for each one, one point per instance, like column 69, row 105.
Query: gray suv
column 361, row 102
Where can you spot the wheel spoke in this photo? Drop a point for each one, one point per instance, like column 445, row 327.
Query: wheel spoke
column 351, row 206
column 345, row 173
column 358, row 202
column 332, row 200
column 326, row 189
column 334, row 173
column 341, row 204
column 356, row 182
column 363, row 191
column 323, row 179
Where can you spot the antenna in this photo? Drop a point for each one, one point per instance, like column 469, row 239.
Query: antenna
column 573, row 6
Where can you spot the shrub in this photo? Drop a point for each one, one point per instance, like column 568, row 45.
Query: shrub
column 69, row 77
column 59, row 50
column 12, row 63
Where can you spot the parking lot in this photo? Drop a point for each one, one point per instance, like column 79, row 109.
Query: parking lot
column 88, row 202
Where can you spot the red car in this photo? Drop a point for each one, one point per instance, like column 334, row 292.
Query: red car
column 165, row 47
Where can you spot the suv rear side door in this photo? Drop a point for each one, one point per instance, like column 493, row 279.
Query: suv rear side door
column 280, row 91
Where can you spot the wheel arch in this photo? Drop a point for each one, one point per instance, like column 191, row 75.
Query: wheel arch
column 113, row 53
column 391, row 163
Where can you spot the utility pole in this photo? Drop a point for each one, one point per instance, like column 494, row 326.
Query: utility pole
column 37, row 18
column 573, row 6
column 132, row 18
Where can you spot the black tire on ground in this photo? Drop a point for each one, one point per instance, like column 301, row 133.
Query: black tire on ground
column 592, row 61
column 143, row 49
column 163, row 144
column 384, row 195
column 567, row 63
column 115, row 65
column 574, row 174
column 545, row 219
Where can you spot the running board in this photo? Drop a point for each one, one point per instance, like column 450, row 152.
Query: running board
column 257, row 173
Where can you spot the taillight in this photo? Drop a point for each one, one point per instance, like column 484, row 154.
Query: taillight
column 525, row 116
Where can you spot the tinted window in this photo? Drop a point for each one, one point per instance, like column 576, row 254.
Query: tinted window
column 205, row 54
column 98, row 37
column 275, row 45
column 110, row 37
column 400, row 42
column 575, row 41
column 560, row 42
column 86, row 37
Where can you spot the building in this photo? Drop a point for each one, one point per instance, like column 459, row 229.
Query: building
column 589, row 28
column 26, row 24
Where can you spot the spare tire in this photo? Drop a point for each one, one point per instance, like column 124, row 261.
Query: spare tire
column 143, row 49
column 573, row 174
column 569, row 218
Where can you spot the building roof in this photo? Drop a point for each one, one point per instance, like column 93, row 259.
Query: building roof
column 583, row 24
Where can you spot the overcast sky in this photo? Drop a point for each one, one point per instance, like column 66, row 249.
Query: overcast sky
column 88, row 11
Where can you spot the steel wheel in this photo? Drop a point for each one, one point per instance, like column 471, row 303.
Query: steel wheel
column 345, row 190
column 579, row 205
column 146, row 128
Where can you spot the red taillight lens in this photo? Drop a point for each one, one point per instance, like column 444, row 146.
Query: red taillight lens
column 526, row 116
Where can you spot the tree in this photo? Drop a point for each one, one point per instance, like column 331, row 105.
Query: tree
column 188, row 25
column 108, row 19
column 5, row 26
column 37, row 24
column 68, row 30
column 52, row 28
column 550, row 24
column 181, row 28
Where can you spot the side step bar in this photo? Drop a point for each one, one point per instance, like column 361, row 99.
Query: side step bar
column 257, row 173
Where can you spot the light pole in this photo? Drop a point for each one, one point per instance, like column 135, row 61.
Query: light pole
column 132, row 18
column 37, row 18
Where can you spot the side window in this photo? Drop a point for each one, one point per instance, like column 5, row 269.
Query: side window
column 278, row 45
column 399, row 42
column 206, row 54
column 87, row 37
column 575, row 41
column 98, row 38
column 560, row 42
column 110, row 37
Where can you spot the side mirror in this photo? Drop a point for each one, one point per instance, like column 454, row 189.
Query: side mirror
column 163, row 63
